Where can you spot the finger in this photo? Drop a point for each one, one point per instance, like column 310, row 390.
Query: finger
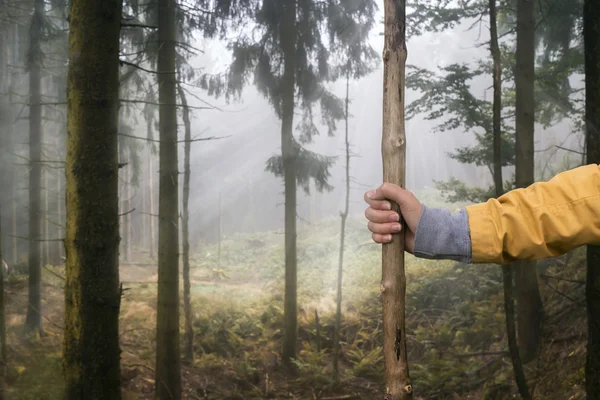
column 381, row 238
column 394, row 193
column 384, row 229
column 381, row 217
column 377, row 204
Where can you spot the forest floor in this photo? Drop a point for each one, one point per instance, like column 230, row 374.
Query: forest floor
column 455, row 320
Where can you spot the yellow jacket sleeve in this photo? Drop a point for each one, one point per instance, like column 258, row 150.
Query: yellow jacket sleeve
column 546, row 219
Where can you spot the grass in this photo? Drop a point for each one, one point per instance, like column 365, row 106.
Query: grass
column 452, row 309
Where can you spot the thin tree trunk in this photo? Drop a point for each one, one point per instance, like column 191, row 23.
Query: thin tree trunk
column 188, row 337
column 168, row 368
column 393, row 283
column 591, row 34
column 33, row 320
column 220, row 230
column 3, row 356
column 144, row 237
column 126, row 209
column 92, row 294
column 509, row 302
column 344, row 216
column 318, row 330
column 529, row 301
column 152, row 216
column 15, row 233
column 497, row 105
column 59, row 217
column 46, row 218
column 511, row 333
column 288, row 40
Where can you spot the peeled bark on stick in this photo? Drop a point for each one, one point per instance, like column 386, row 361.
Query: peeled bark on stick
column 591, row 35
column 393, row 284
column 168, row 352
column 92, row 293
column 188, row 336
column 33, row 320
column 344, row 217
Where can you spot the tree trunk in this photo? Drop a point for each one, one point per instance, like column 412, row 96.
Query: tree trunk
column 393, row 145
column 509, row 303
column 15, row 233
column 220, row 230
column 92, row 295
column 344, row 216
column 144, row 237
column 33, row 320
column 497, row 105
column 529, row 302
column 288, row 41
column 3, row 355
column 511, row 333
column 126, row 209
column 591, row 33
column 152, row 215
column 47, row 259
column 317, row 330
column 59, row 218
column 168, row 376
column 188, row 337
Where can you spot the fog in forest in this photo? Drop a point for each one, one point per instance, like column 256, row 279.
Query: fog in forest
column 232, row 293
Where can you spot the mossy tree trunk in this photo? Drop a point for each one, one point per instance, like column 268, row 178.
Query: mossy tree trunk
column 509, row 302
column 288, row 40
column 398, row 384
column 529, row 301
column 344, row 217
column 92, row 295
column 591, row 35
column 3, row 356
column 33, row 320
column 168, row 374
column 188, row 338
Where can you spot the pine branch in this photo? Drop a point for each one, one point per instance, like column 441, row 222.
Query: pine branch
column 152, row 103
column 179, row 141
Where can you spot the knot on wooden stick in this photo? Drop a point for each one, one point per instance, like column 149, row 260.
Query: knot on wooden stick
column 408, row 389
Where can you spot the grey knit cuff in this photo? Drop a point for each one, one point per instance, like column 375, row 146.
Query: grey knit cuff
column 441, row 235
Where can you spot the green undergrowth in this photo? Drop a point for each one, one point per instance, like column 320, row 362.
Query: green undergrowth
column 455, row 325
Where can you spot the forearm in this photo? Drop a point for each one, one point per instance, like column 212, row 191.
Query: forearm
column 544, row 220
column 441, row 235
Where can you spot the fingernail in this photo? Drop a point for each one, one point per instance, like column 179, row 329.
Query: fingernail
column 394, row 218
column 396, row 228
column 386, row 206
column 387, row 238
column 370, row 194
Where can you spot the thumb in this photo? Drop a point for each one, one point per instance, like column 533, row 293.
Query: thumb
column 389, row 191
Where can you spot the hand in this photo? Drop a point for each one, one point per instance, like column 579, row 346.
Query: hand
column 384, row 222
